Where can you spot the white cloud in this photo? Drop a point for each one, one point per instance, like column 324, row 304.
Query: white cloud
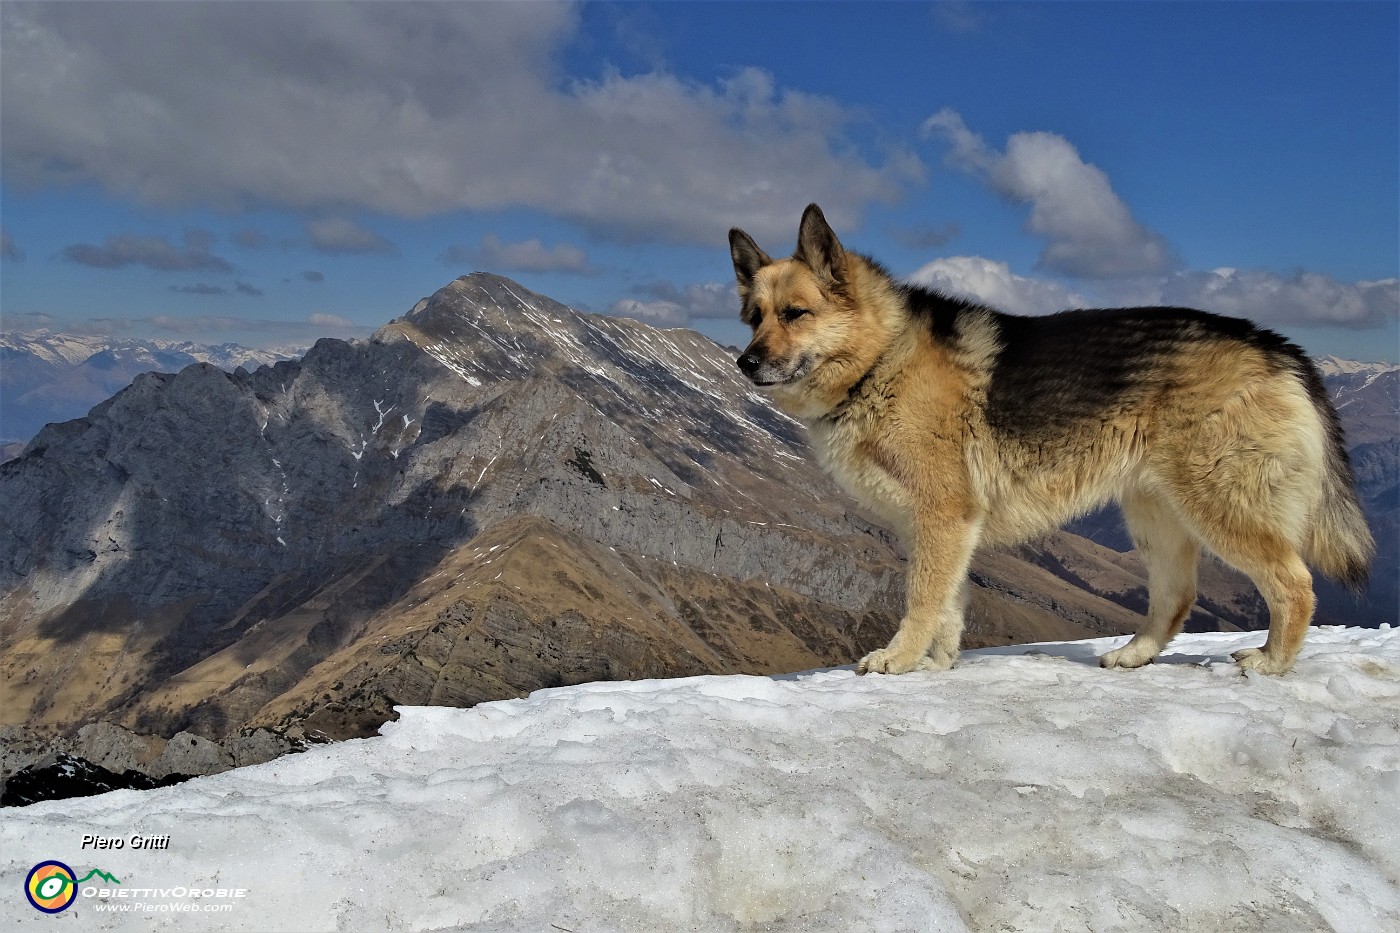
column 343, row 235
column 1304, row 298
column 658, row 313
column 1091, row 235
column 411, row 110
column 1090, row 232
column 526, row 256
column 993, row 283
column 668, row 305
column 329, row 320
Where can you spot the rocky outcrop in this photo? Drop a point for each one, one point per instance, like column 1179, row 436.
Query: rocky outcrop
column 36, row 764
column 64, row 776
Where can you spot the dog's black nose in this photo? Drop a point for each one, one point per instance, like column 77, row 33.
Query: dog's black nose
column 748, row 363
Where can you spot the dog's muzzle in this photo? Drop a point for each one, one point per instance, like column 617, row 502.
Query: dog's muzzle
column 764, row 372
column 749, row 364
column 760, row 371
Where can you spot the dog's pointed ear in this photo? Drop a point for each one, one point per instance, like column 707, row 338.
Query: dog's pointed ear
column 748, row 259
column 818, row 247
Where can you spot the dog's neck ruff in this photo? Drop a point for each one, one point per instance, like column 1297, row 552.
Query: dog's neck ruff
column 838, row 412
column 885, row 365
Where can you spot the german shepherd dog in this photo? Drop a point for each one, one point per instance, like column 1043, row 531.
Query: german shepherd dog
column 959, row 426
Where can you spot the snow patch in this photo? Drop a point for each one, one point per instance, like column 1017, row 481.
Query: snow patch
column 1026, row 789
column 382, row 413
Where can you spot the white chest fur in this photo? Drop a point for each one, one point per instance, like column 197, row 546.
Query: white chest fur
column 845, row 451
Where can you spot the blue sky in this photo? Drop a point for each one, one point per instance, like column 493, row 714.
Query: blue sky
column 271, row 173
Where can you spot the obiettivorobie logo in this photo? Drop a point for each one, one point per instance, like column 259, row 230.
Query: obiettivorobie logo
column 52, row 886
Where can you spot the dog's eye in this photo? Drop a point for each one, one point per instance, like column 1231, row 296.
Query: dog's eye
column 791, row 314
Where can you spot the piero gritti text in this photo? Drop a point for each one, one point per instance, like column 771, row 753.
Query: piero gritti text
column 134, row 841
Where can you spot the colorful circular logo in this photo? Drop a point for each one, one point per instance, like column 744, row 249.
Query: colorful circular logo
column 51, row 887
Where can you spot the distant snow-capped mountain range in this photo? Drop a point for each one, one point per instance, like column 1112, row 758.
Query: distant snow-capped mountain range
column 75, row 349
column 47, row 377
column 1333, row 366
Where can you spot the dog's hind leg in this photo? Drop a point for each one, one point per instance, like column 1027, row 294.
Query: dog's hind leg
column 929, row 633
column 1171, row 554
column 1248, row 487
column 1276, row 568
column 1287, row 587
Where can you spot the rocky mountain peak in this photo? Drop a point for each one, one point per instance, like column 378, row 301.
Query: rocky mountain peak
column 222, row 534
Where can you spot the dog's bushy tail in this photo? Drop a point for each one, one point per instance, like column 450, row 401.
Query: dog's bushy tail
column 1341, row 545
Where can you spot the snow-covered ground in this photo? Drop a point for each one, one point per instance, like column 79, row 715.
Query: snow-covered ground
column 1024, row 790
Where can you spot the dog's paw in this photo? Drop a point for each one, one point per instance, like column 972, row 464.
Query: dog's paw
column 1133, row 654
column 1257, row 659
column 887, row 661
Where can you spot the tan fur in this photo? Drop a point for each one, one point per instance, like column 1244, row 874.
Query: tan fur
column 1224, row 451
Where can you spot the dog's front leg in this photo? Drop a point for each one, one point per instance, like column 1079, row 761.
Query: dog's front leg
column 928, row 634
